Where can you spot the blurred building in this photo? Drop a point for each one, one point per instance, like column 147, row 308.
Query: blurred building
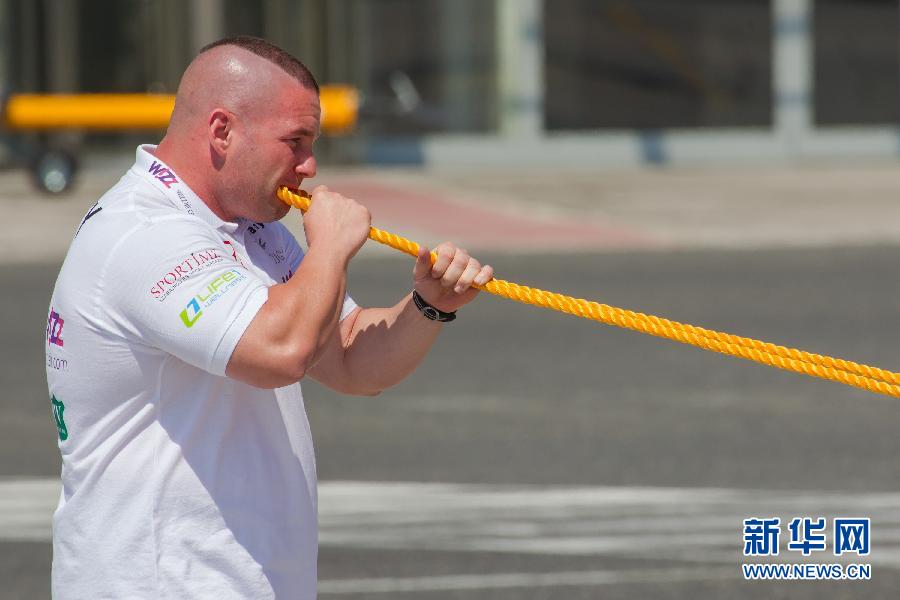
column 520, row 82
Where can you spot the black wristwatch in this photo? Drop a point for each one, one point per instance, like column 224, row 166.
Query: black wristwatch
column 431, row 312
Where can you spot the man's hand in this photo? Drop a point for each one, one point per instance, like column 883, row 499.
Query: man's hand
column 293, row 328
column 379, row 347
column 338, row 224
column 446, row 285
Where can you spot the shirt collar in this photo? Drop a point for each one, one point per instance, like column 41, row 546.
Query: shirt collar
column 163, row 177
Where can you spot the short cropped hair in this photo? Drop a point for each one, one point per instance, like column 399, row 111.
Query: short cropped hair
column 272, row 53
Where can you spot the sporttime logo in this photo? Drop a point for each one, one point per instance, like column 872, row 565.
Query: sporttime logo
column 163, row 173
column 212, row 291
column 54, row 329
column 196, row 263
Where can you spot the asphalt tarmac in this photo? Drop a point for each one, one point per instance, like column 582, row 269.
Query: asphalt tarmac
column 536, row 455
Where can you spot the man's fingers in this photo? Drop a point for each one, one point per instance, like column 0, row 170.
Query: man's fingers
column 468, row 276
column 484, row 275
column 455, row 270
column 445, row 254
column 423, row 263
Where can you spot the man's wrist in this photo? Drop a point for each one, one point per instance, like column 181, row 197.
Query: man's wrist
column 430, row 312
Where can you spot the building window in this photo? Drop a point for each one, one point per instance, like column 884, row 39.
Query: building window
column 657, row 63
column 857, row 62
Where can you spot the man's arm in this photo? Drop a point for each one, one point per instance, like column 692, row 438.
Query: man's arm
column 294, row 327
column 376, row 348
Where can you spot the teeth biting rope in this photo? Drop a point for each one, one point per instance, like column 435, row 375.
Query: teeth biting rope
column 865, row 377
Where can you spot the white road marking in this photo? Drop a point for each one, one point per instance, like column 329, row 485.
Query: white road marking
column 699, row 526
column 685, row 524
column 26, row 506
column 395, row 585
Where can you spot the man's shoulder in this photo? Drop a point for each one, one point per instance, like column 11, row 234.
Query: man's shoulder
column 136, row 197
column 131, row 227
column 132, row 205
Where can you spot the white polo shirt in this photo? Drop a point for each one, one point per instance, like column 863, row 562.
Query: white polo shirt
column 178, row 482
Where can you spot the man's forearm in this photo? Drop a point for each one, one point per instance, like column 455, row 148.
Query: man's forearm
column 291, row 329
column 387, row 344
column 377, row 348
column 309, row 304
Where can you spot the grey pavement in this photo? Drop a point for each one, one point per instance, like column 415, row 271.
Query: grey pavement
column 535, row 455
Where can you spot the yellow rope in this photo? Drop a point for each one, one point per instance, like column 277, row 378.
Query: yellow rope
column 858, row 375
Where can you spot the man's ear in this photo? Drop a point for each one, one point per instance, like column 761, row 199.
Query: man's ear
column 221, row 123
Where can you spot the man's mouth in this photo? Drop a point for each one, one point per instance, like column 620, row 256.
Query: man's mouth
column 294, row 185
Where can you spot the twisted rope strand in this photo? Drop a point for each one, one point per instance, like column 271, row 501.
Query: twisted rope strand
column 847, row 372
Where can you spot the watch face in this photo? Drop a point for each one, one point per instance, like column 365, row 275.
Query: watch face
column 431, row 313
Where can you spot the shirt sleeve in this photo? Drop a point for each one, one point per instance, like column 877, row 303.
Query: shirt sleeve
column 172, row 285
column 295, row 256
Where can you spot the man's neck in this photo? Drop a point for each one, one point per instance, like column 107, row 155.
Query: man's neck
column 189, row 173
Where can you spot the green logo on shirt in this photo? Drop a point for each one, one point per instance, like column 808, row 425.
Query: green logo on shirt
column 58, row 408
column 212, row 291
column 190, row 318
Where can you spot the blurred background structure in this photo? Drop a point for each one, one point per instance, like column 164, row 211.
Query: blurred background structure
column 519, row 82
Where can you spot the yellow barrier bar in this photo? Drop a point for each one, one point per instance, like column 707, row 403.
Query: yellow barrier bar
column 111, row 112
column 340, row 108
column 89, row 111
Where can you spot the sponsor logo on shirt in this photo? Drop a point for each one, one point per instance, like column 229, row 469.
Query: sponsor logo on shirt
column 234, row 254
column 194, row 264
column 54, row 338
column 278, row 255
column 163, row 174
column 58, row 408
column 55, row 328
column 185, row 202
column 93, row 210
column 212, row 291
column 254, row 227
column 56, row 363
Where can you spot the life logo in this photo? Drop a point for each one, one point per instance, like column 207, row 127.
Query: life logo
column 163, row 173
column 212, row 291
column 55, row 328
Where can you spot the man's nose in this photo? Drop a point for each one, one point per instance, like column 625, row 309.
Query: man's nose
column 306, row 169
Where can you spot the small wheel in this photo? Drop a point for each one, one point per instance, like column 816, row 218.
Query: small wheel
column 53, row 170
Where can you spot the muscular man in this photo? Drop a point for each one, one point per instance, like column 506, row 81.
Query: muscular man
column 182, row 321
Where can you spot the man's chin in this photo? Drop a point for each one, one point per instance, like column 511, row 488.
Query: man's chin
column 275, row 210
column 280, row 211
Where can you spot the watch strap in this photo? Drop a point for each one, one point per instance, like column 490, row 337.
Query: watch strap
column 431, row 312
